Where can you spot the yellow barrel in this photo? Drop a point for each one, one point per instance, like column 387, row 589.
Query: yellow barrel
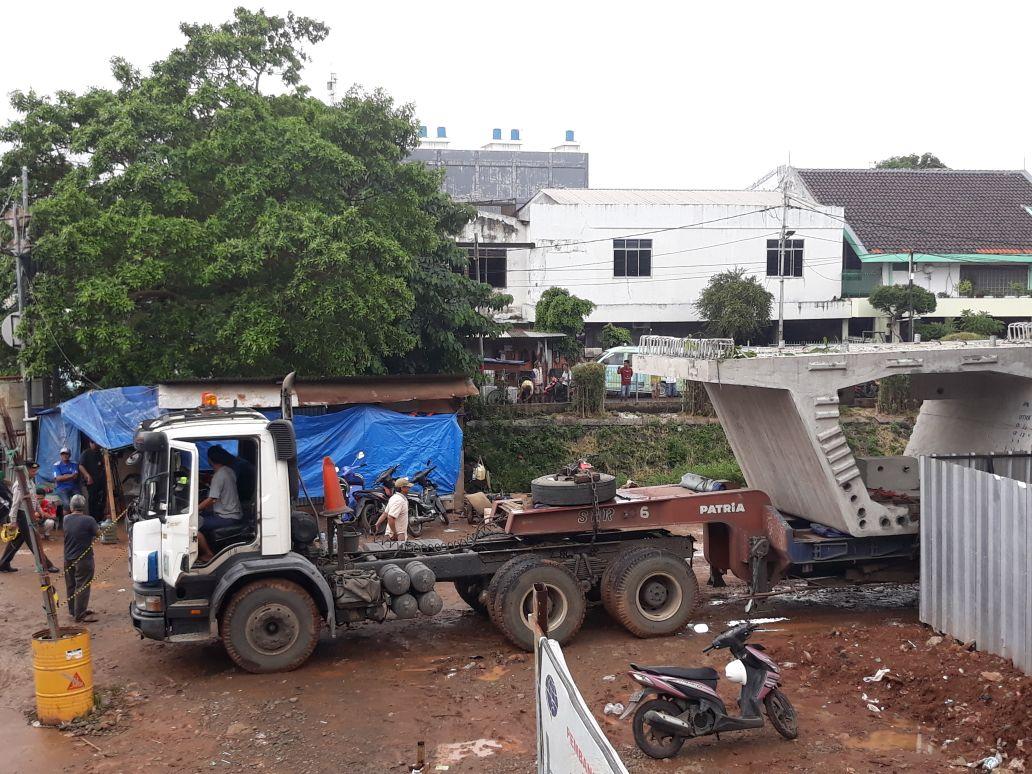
column 64, row 675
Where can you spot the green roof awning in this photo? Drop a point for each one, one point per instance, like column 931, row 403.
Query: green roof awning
column 946, row 258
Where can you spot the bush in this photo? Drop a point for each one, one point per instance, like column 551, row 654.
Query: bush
column 934, row 331
column 965, row 288
column 615, row 336
column 985, row 325
column 589, row 388
column 894, row 395
column 962, row 336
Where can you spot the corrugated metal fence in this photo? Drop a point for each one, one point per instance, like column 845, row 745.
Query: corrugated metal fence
column 976, row 543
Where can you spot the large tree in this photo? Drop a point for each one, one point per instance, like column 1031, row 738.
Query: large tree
column 735, row 306
column 912, row 161
column 211, row 217
column 896, row 301
column 559, row 311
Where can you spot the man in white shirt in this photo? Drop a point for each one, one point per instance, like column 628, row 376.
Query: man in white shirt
column 223, row 500
column 397, row 510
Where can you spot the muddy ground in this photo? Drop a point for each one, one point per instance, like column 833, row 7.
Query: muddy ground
column 364, row 700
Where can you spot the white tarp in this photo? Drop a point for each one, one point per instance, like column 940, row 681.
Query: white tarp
column 569, row 739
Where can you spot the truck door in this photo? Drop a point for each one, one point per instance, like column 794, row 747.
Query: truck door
column 179, row 532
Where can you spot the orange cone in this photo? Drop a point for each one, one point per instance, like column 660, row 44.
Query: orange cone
column 333, row 497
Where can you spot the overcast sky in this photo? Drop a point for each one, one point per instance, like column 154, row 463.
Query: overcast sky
column 678, row 95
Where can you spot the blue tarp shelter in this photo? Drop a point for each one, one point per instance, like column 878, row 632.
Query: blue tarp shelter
column 387, row 437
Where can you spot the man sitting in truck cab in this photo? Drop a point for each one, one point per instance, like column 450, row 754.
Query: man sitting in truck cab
column 221, row 508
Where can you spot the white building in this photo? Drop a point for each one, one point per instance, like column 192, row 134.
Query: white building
column 644, row 256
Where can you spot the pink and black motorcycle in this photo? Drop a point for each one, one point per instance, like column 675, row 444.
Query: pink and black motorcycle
column 685, row 702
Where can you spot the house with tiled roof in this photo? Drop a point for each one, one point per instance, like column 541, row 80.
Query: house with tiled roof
column 970, row 232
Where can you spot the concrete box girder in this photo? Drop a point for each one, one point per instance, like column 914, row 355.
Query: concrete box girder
column 780, row 413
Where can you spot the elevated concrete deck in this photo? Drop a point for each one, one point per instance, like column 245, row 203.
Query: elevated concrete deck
column 779, row 409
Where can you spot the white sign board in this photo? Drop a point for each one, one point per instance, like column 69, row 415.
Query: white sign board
column 8, row 327
column 569, row 739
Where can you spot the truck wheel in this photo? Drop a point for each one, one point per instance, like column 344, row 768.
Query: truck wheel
column 270, row 626
column 561, row 491
column 513, row 565
column 623, row 560
column 654, row 595
column 513, row 604
column 469, row 589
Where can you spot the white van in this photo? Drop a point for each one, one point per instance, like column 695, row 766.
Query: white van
column 612, row 359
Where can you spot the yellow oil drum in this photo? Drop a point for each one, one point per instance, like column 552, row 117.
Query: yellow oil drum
column 64, row 674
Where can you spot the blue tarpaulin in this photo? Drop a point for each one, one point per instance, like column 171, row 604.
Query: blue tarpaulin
column 387, row 437
column 110, row 417
column 54, row 433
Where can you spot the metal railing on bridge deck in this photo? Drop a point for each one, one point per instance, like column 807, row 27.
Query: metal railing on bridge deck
column 700, row 349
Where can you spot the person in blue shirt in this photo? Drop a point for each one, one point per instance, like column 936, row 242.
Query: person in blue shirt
column 66, row 478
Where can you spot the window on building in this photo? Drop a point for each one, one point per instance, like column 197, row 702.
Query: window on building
column 793, row 258
column 996, row 280
column 493, row 265
column 632, row 257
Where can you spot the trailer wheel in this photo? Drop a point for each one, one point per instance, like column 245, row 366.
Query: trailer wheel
column 564, row 491
column 500, row 577
column 469, row 589
column 513, row 603
column 653, row 595
column 270, row 625
column 623, row 560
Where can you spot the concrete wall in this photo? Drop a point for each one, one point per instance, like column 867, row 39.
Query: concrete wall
column 683, row 259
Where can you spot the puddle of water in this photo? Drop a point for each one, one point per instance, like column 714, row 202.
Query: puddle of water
column 493, row 674
column 456, row 752
column 887, row 740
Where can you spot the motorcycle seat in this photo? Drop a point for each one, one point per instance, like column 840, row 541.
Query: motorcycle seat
column 703, row 674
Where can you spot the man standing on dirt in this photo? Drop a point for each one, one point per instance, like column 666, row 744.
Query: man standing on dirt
column 80, row 531
column 18, row 514
column 91, row 466
column 626, row 376
column 397, row 510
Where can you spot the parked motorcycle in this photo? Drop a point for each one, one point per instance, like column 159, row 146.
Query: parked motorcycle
column 371, row 502
column 351, row 481
column 686, row 703
column 424, row 506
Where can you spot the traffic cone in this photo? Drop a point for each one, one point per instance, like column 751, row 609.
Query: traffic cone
column 333, row 497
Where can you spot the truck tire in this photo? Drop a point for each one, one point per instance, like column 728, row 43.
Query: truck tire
column 513, row 565
column 623, row 560
column 549, row 490
column 469, row 590
column 653, row 595
column 513, row 603
column 270, row 625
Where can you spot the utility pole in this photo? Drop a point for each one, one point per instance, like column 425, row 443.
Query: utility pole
column 910, row 294
column 20, row 248
column 476, row 260
column 781, row 262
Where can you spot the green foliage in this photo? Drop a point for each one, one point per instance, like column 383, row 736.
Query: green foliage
column 894, row 395
column 695, row 400
column 912, row 161
column 962, row 336
column 559, row 311
column 934, row 331
column 1018, row 288
column 589, row 388
column 190, row 225
column 894, row 300
column 965, row 288
column 735, row 306
column 982, row 323
column 615, row 336
column 875, row 439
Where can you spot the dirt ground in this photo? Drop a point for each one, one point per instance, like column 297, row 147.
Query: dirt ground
column 364, row 699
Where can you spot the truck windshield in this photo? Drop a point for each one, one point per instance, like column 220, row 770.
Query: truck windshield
column 154, row 485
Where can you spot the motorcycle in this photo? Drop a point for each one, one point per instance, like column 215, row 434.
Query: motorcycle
column 424, row 506
column 351, row 481
column 686, row 703
column 371, row 502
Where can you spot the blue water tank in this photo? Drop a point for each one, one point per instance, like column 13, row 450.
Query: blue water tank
column 496, row 134
column 442, row 133
column 514, row 134
column 422, row 130
column 569, row 135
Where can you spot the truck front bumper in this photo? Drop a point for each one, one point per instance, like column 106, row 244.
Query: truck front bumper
column 150, row 625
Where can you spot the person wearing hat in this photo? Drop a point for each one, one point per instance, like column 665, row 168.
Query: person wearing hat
column 397, row 510
column 80, row 531
column 66, row 478
column 16, row 509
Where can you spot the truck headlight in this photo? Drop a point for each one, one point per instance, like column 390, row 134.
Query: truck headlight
column 152, row 603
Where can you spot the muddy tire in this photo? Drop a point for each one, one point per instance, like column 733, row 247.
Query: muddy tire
column 469, row 590
column 513, row 603
column 653, row 595
column 623, row 560
column 781, row 714
column 548, row 490
column 270, row 626
column 653, row 742
column 513, row 565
